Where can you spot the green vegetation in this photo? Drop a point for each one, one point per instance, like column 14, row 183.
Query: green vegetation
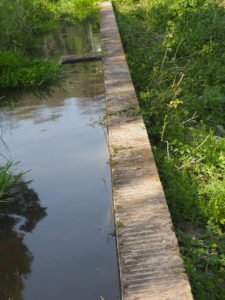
column 175, row 50
column 23, row 23
column 8, row 180
column 75, row 9
column 18, row 70
column 119, row 224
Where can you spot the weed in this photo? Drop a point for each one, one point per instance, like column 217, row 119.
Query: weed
column 119, row 224
column 104, row 51
column 129, row 111
column 175, row 51
column 8, row 179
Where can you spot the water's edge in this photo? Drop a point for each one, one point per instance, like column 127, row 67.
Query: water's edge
column 57, row 239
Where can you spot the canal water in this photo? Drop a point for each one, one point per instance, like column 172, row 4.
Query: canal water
column 56, row 232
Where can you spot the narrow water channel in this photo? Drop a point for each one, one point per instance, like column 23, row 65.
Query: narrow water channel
column 56, row 239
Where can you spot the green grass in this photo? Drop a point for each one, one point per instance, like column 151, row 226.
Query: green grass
column 18, row 70
column 8, row 179
column 119, row 224
column 175, row 50
column 76, row 9
column 23, row 21
column 23, row 24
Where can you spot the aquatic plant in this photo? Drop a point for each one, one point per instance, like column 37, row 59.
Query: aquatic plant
column 8, row 179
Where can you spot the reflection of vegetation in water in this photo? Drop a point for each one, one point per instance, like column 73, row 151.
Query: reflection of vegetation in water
column 12, row 97
column 80, row 39
column 20, row 211
column 22, row 24
column 17, row 217
column 88, row 77
column 82, row 81
column 15, row 261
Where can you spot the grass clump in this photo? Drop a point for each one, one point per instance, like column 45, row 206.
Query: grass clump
column 8, row 179
column 18, row 70
column 175, row 50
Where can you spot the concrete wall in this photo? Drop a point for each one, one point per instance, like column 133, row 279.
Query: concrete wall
column 149, row 261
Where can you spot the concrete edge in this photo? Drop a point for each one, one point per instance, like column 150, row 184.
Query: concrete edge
column 150, row 264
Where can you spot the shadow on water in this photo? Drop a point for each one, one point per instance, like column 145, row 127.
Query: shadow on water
column 17, row 217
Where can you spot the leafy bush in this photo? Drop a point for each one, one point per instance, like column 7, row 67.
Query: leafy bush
column 175, row 50
column 204, row 261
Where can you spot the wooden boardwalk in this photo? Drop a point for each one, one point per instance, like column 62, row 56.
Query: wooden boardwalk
column 149, row 260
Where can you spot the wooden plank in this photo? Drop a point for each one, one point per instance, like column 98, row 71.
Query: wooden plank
column 72, row 59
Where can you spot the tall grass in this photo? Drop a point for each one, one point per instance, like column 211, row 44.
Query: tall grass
column 8, row 179
column 18, row 70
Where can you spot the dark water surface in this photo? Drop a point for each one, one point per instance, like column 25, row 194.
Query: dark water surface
column 54, row 239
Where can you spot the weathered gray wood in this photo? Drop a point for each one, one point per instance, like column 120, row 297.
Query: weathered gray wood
column 71, row 59
column 149, row 260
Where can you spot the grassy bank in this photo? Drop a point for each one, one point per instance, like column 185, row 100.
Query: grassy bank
column 175, row 50
column 23, row 23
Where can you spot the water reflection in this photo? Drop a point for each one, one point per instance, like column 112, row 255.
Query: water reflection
column 17, row 217
column 80, row 39
column 48, row 104
column 74, row 256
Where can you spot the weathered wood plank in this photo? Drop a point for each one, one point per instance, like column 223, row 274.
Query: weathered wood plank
column 71, row 59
